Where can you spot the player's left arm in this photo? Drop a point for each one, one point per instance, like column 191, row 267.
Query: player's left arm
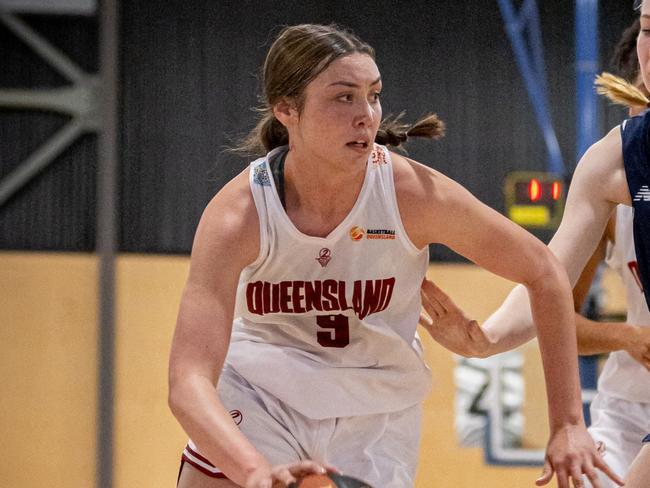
column 435, row 209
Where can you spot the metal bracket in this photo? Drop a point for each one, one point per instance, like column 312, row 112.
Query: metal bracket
column 80, row 100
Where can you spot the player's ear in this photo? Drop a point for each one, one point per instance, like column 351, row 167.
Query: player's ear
column 286, row 111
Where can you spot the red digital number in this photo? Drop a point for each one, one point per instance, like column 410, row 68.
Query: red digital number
column 338, row 336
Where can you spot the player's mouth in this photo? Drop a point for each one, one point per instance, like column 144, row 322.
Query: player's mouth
column 358, row 145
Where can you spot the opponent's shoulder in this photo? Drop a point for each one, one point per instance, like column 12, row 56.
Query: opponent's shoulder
column 600, row 171
column 637, row 124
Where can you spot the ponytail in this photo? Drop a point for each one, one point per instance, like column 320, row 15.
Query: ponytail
column 267, row 134
column 393, row 132
column 620, row 91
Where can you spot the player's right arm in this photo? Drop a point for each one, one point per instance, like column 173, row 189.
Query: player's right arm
column 204, row 326
column 226, row 241
column 598, row 185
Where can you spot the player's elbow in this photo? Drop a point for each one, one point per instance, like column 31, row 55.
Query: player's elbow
column 176, row 395
column 547, row 273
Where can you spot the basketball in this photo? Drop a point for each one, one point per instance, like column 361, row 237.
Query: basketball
column 329, row 480
column 316, row 481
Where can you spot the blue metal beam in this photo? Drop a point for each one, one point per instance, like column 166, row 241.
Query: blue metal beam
column 532, row 68
column 586, row 51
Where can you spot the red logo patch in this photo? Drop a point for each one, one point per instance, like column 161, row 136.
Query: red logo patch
column 236, row 416
column 324, row 256
column 378, row 156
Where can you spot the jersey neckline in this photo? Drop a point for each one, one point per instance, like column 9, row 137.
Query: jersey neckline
column 344, row 224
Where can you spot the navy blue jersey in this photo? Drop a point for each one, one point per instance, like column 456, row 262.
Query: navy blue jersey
column 635, row 133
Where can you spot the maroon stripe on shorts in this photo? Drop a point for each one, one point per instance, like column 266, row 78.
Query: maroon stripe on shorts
column 186, row 459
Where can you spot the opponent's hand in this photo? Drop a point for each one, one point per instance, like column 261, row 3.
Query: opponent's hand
column 639, row 345
column 449, row 326
column 570, row 454
column 280, row 476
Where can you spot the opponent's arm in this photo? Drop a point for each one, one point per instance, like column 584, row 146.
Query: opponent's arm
column 583, row 285
column 639, row 472
column 598, row 184
column 604, row 337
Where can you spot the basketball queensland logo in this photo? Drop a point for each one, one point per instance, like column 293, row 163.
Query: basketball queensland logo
column 356, row 233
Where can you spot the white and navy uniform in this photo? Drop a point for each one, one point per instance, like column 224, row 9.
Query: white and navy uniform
column 635, row 135
column 324, row 361
column 620, row 411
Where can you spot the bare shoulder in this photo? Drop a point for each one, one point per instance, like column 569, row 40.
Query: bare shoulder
column 426, row 199
column 417, row 183
column 228, row 232
column 601, row 173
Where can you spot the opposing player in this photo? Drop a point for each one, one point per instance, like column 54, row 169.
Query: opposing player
column 620, row 411
column 615, row 170
column 302, row 300
column 639, row 474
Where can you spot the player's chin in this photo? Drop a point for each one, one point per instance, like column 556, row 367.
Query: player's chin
column 358, row 154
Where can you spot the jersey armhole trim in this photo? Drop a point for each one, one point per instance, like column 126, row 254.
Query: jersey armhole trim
column 410, row 247
column 261, row 214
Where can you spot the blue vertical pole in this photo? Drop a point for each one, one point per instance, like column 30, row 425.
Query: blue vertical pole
column 586, row 50
column 586, row 39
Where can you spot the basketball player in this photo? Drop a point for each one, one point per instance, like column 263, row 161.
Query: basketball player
column 302, row 299
column 639, row 474
column 620, row 412
column 614, row 170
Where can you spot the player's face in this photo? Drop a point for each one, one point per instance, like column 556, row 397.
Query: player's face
column 643, row 43
column 341, row 112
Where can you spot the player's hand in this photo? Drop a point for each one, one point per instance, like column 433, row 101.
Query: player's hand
column 570, row 454
column 282, row 475
column 449, row 326
column 639, row 345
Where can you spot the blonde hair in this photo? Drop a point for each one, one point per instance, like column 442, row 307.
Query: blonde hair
column 620, row 91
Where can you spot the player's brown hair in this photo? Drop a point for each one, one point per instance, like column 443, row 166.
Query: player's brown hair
column 624, row 60
column 296, row 57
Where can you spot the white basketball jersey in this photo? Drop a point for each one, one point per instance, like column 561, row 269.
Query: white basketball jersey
column 623, row 377
column 328, row 325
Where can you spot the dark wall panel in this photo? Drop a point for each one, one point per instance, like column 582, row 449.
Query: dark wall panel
column 189, row 79
column 56, row 209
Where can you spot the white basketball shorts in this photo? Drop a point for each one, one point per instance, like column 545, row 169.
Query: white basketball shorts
column 381, row 449
column 621, row 425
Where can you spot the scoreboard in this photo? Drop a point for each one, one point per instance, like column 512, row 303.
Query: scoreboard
column 534, row 199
